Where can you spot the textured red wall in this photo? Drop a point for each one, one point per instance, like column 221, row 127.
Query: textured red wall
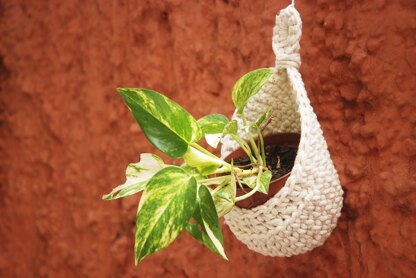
column 66, row 135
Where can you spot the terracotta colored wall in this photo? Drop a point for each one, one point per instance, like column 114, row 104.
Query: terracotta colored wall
column 66, row 136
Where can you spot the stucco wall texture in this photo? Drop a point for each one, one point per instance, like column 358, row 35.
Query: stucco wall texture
column 66, row 135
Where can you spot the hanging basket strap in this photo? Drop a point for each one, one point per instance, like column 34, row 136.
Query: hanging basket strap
column 286, row 37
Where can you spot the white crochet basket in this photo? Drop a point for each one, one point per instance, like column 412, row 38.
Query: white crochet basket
column 303, row 213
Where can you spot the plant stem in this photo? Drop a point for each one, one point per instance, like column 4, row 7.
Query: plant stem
column 222, row 170
column 250, row 137
column 246, row 173
column 238, row 171
column 263, row 153
column 240, row 185
column 215, row 180
column 245, row 147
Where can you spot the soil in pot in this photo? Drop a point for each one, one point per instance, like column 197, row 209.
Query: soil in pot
column 280, row 150
column 279, row 159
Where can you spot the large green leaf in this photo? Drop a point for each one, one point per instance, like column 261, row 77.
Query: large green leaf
column 206, row 228
column 165, row 208
column 249, row 85
column 168, row 126
column 137, row 174
column 204, row 163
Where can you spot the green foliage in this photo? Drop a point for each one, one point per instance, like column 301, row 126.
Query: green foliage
column 165, row 208
column 194, row 195
column 206, row 227
column 168, row 126
column 213, row 123
column 265, row 179
column 204, row 163
column 212, row 127
column 231, row 128
column 224, row 196
column 249, row 85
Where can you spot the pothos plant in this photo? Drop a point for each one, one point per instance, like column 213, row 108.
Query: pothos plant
column 194, row 195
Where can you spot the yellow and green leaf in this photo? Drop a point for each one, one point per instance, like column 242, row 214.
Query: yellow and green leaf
column 213, row 123
column 204, row 163
column 168, row 126
column 206, row 228
column 249, row 85
column 165, row 208
column 264, row 180
column 224, row 197
column 231, row 128
column 212, row 127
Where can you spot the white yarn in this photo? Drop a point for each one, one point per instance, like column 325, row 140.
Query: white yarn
column 304, row 212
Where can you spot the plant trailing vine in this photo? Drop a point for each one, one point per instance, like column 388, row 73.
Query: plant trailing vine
column 194, row 195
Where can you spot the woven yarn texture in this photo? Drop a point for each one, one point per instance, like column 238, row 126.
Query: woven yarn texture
column 303, row 213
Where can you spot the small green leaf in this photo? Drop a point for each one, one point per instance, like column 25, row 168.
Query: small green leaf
column 204, row 163
column 212, row 126
column 137, row 174
column 224, row 198
column 213, row 123
column 165, row 208
column 250, row 181
column 265, row 179
column 206, row 217
column 231, row 128
column 262, row 118
column 168, row 126
column 249, row 85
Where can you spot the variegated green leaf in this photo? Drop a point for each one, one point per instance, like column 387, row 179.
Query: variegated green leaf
column 213, row 123
column 205, row 164
column 231, row 128
column 250, row 181
column 224, row 197
column 165, row 208
column 212, row 126
column 265, row 179
column 249, row 85
column 168, row 126
column 205, row 217
column 137, row 174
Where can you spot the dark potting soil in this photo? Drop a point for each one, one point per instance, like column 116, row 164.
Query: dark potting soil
column 279, row 160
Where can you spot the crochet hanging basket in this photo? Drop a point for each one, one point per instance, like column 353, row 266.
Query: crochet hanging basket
column 304, row 212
